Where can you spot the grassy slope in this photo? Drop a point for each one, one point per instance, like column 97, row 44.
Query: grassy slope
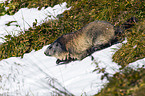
column 134, row 49
column 81, row 13
column 125, row 84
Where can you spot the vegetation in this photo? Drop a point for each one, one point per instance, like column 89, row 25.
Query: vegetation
column 125, row 84
column 81, row 13
column 134, row 49
column 14, row 5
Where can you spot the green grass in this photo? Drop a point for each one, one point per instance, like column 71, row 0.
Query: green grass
column 125, row 84
column 81, row 13
column 134, row 49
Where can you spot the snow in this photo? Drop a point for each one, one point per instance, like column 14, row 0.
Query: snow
column 33, row 71
column 25, row 18
column 36, row 74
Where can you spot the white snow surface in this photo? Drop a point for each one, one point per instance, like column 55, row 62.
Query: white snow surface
column 25, row 18
column 34, row 74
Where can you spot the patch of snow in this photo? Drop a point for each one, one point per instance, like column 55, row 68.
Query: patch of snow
column 25, row 18
column 135, row 46
column 125, row 41
column 137, row 64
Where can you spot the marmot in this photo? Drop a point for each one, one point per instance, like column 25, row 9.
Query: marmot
column 79, row 44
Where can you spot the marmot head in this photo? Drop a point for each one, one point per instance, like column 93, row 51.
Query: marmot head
column 56, row 50
column 53, row 49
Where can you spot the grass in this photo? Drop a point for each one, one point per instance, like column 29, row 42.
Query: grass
column 81, row 13
column 13, row 6
column 134, row 49
column 125, row 84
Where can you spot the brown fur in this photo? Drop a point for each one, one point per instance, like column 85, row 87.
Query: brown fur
column 81, row 43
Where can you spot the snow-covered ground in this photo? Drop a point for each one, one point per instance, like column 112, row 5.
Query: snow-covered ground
column 36, row 74
column 25, row 18
column 32, row 74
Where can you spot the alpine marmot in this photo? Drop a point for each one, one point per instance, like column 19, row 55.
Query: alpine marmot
column 79, row 44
